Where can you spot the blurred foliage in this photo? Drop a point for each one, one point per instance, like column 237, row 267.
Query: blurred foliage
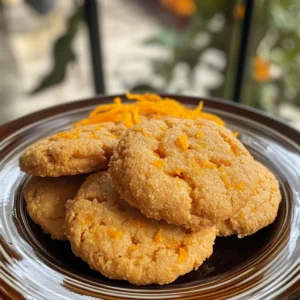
column 193, row 27
column 189, row 35
column 62, row 53
column 273, row 57
column 276, row 42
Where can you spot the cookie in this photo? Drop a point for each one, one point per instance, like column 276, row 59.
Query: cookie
column 261, row 209
column 46, row 199
column 191, row 173
column 80, row 150
column 118, row 241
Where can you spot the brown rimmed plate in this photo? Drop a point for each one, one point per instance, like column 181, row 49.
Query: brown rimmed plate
column 265, row 265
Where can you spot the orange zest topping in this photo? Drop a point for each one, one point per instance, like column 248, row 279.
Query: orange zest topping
column 206, row 164
column 195, row 167
column 158, row 163
column 241, row 215
column 68, row 135
column 234, row 148
column 150, row 105
column 132, row 248
column 224, row 177
column 254, row 209
column 183, row 254
column 178, row 172
column 240, row 186
column 158, row 238
column 113, row 136
column 128, row 120
column 181, row 142
column 143, row 132
column 86, row 219
column 200, row 146
column 225, row 180
column 98, row 127
column 93, row 136
column 115, row 234
column 199, row 134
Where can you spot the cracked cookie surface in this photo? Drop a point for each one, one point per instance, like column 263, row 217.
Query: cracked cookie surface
column 83, row 149
column 46, row 199
column 190, row 173
column 261, row 209
column 117, row 240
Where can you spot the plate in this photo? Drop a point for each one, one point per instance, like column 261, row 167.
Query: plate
column 265, row 265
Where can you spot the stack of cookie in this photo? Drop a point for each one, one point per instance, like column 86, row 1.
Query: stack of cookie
column 163, row 190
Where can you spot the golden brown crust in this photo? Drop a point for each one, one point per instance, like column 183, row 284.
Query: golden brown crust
column 80, row 150
column 46, row 199
column 183, row 171
column 117, row 240
column 261, row 209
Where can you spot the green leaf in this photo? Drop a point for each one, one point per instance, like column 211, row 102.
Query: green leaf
column 62, row 53
column 167, row 37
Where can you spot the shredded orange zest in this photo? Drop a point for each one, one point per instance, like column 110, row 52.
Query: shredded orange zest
column 142, row 131
column 135, row 116
column 241, row 215
column 235, row 134
column 181, row 142
column 200, row 146
column 183, row 254
column 178, row 172
column 86, row 220
column 113, row 136
column 98, row 127
column 92, row 135
column 273, row 188
column 158, row 163
column 173, row 245
column 128, row 120
column 224, row 177
column 254, row 209
column 158, row 238
column 196, row 167
column 116, row 234
column 206, row 164
column 150, row 105
column 68, row 135
column 234, row 148
column 96, row 231
column 240, row 186
column 199, row 134
column 133, row 248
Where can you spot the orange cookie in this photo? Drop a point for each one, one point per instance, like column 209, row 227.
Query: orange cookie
column 80, row 150
column 190, row 173
column 261, row 209
column 117, row 240
column 46, row 199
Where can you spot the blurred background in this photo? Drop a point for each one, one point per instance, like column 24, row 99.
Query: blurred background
column 246, row 51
